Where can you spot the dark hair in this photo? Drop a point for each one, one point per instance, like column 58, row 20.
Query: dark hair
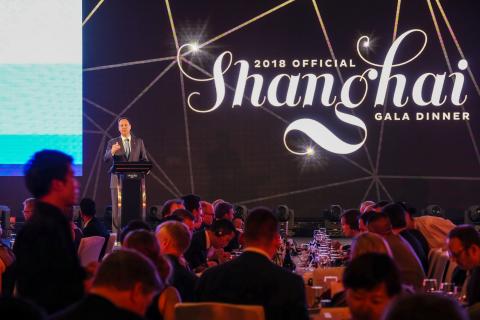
column 132, row 225
column 409, row 209
column 191, row 202
column 123, row 268
column 168, row 204
column 369, row 270
column 87, row 206
column 145, row 242
column 222, row 209
column 467, row 234
column 351, row 217
column 261, row 224
column 183, row 214
column 367, row 216
column 222, row 227
column 425, row 306
column 396, row 214
column 380, row 224
column 44, row 167
column 123, row 118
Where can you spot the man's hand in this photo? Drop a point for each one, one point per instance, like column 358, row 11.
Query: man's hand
column 115, row 148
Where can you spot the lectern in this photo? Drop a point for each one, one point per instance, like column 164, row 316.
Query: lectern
column 131, row 195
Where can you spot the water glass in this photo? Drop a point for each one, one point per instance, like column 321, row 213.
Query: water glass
column 430, row 285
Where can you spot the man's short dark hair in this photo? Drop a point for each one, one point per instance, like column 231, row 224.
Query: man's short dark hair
column 370, row 270
column 191, row 202
column 222, row 209
column 123, row 118
column 396, row 214
column 168, row 204
column 467, row 234
column 261, row 224
column 124, row 268
column 425, row 306
column 222, row 227
column 183, row 214
column 367, row 216
column 44, row 167
column 351, row 217
column 380, row 223
column 133, row 225
column 87, row 206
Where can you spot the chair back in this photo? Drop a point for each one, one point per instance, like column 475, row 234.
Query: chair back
column 334, row 314
column 214, row 310
column 89, row 249
column 437, row 262
column 319, row 275
column 111, row 242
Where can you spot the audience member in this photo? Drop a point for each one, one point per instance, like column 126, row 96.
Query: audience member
column 192, row 204
column 123, row 288
column 434, row 229
column 186, row 217
column 371, row 281
column 349, row 221
column 170, row 206
column 410, row 267
column 174, row 239
column 464, row 248
column 208, row 214
column 206, row 247
column 48, row 271
column 369, row 242
column 92, row 227
column 28, row 207
column 224, row 210
column 163, row 304
column 397, row 216
column 365, row 206
column 252, row 278
column 132, row 225
column 363, row 220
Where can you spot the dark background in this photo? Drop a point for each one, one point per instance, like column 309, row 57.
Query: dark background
column 237, row 153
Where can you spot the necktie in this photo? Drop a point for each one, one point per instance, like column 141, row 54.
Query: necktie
column 127, row 148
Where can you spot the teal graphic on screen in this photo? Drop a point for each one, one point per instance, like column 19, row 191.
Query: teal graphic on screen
column 40, row 81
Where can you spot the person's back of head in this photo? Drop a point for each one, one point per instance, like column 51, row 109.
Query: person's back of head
column 87, row 207
column 46, row 173
column 261, row 229
column 396, row 214
column 369, row 242
column 173, row 238
column 145, row 242
column 371, row 281
column 127, row 278
column 132, row 225
column 191, row 202
column 171, row 205
column 224, row 210
column 380, row 224
column 425, row 306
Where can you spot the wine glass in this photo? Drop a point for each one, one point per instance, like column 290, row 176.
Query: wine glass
column 430, row 285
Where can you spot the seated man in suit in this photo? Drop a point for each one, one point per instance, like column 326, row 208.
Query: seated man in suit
column 123, row 288
column 225, row 210
column 253, row 278
column 174, row 238
column 206, row 248
column 92, row 227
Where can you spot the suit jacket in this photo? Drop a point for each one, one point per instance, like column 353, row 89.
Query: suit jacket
column 94, row 307
column 417, row 247
column 183, row 279
column 196, row 255
column 48, row 271
column 137, row 153
column 96, row 228
column 253, row 279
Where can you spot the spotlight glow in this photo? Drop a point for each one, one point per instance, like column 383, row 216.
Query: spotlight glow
column 366, row 43
column 310, row 151
column 195, row 47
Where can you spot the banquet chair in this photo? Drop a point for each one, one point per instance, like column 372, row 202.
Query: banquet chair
column 437, row 261
column 111, row 242
column 334, row 314
column 319, row 275
column 214, row 310
column 89, row 249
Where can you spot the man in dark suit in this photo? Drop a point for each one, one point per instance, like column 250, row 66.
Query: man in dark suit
column 123, row 288
column 253, row 278
column 174, row 239
column 206, row 248
column 125, row 148
column 92, row 227
column 48, row 271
